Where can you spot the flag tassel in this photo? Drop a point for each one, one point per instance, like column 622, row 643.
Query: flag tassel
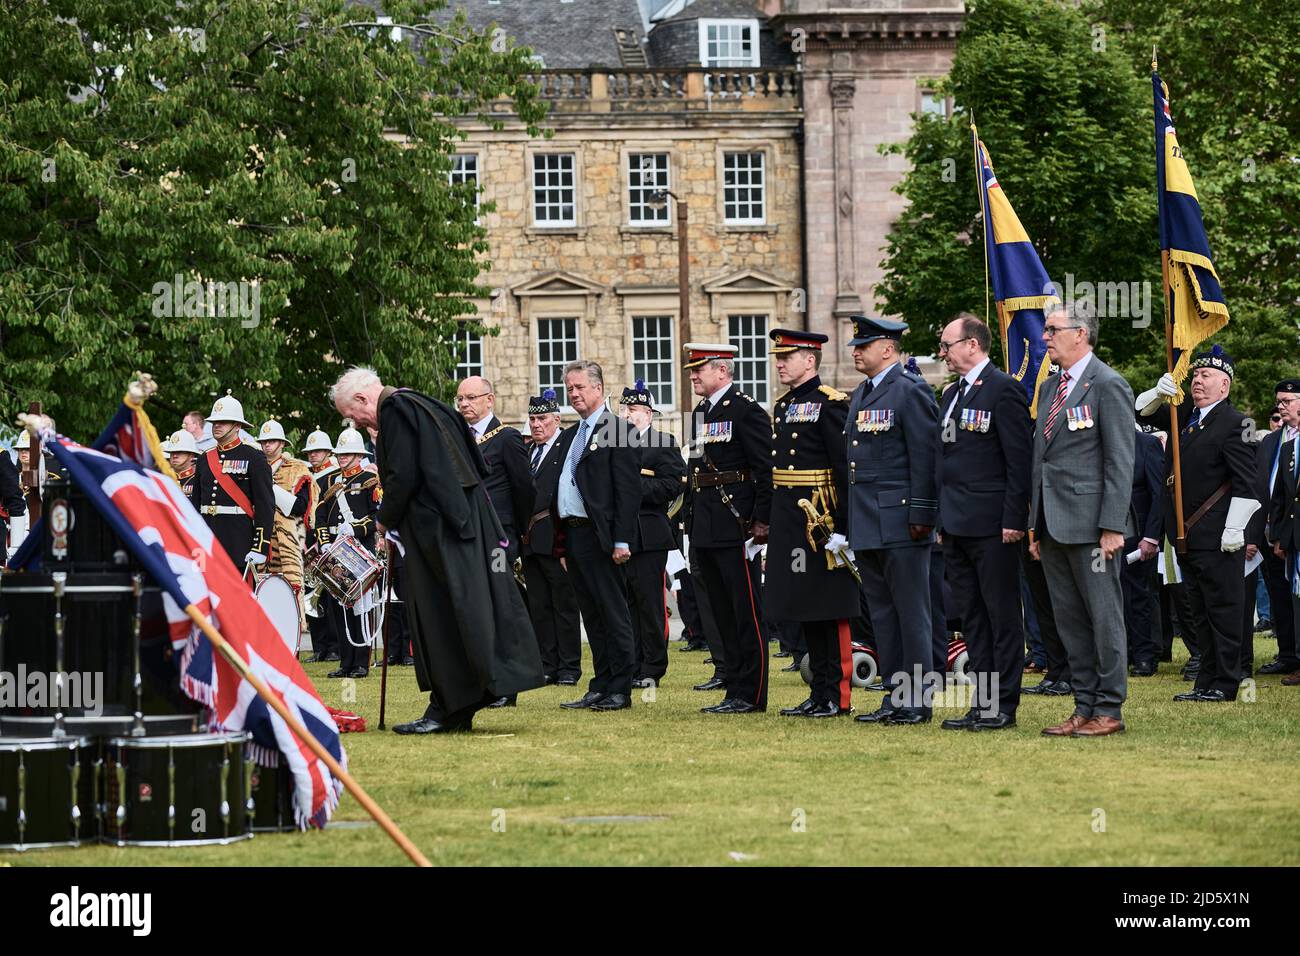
column 354, row 788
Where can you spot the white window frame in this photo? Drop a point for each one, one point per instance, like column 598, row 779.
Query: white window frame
column 944, row 103
column 663, row 181
column 740, row 24
column 460, row 174
column 542, row 383
column 763, row 166
column 752, row 354
column 572, row 157
column 664, row 392
column 467, row 344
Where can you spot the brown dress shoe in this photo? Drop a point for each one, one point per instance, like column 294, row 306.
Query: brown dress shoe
column 1066, row 729
column 1292, row 679
column 1100, row 727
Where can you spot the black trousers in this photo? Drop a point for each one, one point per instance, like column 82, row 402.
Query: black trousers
column 790, row 636
column 1250, row 586
column 830, row 656
column 322, row 634
column 1058, row 664
column 733, row 595
column 1281, row 607
column 553, row 608
column 1213, row 581
column 647, row 598
column 709, row 616
column 1136, row 581
column 350, row 656
column 984, row 581
column 941, row 614
column 1176, row 618
column 601, row 589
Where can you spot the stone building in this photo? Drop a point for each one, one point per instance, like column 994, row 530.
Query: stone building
column 764, row 117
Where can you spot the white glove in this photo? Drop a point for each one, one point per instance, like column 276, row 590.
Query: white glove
column 254, row 557
column 837, row 544
column 344, row 530
column 284, row 500
column 1234, row 528
column 1166, row 390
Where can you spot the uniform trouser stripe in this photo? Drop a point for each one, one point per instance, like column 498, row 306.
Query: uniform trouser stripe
column 846, row 664
column 758, row 632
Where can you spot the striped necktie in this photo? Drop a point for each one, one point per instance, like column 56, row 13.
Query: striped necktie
column 1057, row 402
column 575, row 451
column 537, row 459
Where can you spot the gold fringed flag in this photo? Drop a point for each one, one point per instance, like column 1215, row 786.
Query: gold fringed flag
column 1197, row 306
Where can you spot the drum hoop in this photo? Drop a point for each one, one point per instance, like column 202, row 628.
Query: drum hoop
column 78, row 589
column 33, row 744
column 179, row 742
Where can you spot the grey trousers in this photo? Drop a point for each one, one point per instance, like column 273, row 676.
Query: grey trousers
column 1088, row 604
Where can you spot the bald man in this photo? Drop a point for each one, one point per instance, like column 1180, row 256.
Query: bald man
column 510, row 480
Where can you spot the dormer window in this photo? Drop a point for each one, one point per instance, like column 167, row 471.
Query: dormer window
column 729, row 43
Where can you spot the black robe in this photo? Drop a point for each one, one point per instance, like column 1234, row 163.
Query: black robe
column 472, row 637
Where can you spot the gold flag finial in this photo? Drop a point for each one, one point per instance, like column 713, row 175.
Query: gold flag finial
column 1154, row 66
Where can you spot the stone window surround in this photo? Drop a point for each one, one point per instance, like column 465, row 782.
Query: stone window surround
column 650, row 301
column 628, row 149
column 768, row 149
column 477, row 153
column 578, row 224
column 922, row 89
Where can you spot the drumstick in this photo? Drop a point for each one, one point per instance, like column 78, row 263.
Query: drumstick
column 354, row 788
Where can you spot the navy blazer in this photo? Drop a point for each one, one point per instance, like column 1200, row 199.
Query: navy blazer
column 1148, row 486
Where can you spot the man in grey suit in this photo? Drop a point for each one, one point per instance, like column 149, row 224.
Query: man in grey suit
column 892, row 435
column 1079, row 515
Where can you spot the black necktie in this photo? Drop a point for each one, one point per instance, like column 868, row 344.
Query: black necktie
column 867, row 391
column 961, row 393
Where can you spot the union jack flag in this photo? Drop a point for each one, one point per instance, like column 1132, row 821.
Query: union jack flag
column 131, row 436
column 160, row 527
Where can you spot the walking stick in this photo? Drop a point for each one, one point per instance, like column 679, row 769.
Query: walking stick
column 383, row 632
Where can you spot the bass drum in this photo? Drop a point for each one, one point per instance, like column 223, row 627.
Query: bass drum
column 280, row 602
column 189, row 790
column 272, row 795
column 48, row 792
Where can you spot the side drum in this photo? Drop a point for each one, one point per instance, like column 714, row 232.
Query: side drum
column 272, row 796
column 184, row 790
column 48, row 790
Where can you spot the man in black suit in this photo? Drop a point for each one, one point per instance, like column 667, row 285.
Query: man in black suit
column 552, row 605
column 663, row 474
column 1218, row 470
column 12, row 504
column 596, row 503
column 509, row 482
column 730, row 500
column 984, row 462
column 1284, row 501
column 1268, row 454
column 1136, row 578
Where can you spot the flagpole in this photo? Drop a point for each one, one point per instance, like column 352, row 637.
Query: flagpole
column 1180, row 529
column 354, row 788
column 984, row 219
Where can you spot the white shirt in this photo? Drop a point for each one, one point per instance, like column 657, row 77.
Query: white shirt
column 971, row 378
column 480, row 428
column 880, row 376
column 568, row 499
column 1205, row 412
column 713, row 399
column 1076, row 372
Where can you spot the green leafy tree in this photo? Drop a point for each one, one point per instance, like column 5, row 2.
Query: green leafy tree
column 296, row 151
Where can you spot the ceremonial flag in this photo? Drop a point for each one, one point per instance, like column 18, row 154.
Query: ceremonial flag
column 1020, row 283
column 1196, row 305
column 131, row 436
column 167, row 536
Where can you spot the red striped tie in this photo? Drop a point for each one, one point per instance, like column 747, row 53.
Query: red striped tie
column 1057, row 402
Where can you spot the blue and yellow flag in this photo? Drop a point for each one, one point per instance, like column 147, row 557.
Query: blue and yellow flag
column 1020, row 283
column 1197, row 306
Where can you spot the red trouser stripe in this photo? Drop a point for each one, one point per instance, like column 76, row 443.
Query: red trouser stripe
column 663, row 593
column 758, row 630
column 846, row 664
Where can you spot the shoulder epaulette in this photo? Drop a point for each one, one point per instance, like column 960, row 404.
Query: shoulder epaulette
column 781, row 398
column 834, row 394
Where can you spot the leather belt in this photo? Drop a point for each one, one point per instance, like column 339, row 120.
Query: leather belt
column 712, row 479
column 222, row 510
column 575, row 522
column 1209, row 503
column 801, row 477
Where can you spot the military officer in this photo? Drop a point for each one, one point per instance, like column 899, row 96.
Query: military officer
column 348, row 508
column 234, row 488
column 293, row 490
column 1218, row 471
column 183, row 454
column 23, row 446
column 663, row 474
column 319, row 449
column 810, row 581
column 730, row 498
column 893, row 445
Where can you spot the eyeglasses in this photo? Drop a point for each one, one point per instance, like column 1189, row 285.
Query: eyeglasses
column 1284, row 402
column 466, row 399
column 945, row 346
column 1051, row 330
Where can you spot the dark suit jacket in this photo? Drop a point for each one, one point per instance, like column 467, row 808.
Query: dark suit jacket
column 1148, row 486
column 1266, row 454
column 1215, row 452
column 984, row 474
column 663, row 476
column 509, row 481
column 1284, row 501
column 608, row 477
column 541, row 526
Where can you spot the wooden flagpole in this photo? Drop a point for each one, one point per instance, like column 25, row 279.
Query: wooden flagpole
column 984, row 225
column 354, row 788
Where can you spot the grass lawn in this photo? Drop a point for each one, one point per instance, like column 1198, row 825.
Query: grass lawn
column 1189, row 784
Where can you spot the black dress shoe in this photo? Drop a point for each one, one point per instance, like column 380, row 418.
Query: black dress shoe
column 829, row 709
column 408, row 661
column 877, row 688
column 427, row 725
column 585, row 701
column 332, row 656
column 875, row 717
column 734, row 707
column 1193, row 694
column 960, row 723
column 1000, row 722
column 708, row 660
column 694, row 646
column 1060, row 688
column 338, row 673
column 1040, row 688
column 1276, row 666
column 907, row 715
column 358, row 672
column 567, row 681
column 782, row 654
column 713, row 683
column 716, row 708
column 504, row 701
column 314, row 659
column 791, row 667
column 799, row 710
column 612, row 702
column 1213, row 696
column 549, row 680
column 1142, row 669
